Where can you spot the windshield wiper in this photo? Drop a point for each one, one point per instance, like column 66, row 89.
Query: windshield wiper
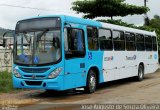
column 41, row 34
column 28, row 40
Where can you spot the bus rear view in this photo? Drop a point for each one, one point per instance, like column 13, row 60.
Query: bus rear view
column 37, row 54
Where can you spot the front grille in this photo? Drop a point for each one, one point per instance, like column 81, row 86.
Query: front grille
column 36, row 77
column 34, row 70
column 33, row 83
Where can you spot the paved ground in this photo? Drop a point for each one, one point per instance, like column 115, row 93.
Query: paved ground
column 126, row 91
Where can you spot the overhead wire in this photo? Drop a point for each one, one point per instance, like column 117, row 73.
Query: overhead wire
column 18, row 6
column 32, row 8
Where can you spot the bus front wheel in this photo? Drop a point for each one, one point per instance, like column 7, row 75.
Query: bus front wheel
column 91, row 82
column 140, row 73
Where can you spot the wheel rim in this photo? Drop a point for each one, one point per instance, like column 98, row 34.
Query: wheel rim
column 92, row 83
column 140, row 73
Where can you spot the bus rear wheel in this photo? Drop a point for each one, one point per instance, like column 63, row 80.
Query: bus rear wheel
column 91, row 82
column 140, row 76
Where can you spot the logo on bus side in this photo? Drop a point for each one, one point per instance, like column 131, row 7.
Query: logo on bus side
column 108, row 58
column 155, row 56
column 131, row 58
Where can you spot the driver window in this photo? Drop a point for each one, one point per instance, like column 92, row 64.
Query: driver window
column 74, row 43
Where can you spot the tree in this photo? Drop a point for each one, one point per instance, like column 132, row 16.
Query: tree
column 155, row 23
column 107, row 8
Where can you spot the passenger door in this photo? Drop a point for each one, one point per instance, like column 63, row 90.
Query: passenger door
column 75, row 51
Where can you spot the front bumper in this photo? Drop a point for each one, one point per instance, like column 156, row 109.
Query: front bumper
column 50, row 84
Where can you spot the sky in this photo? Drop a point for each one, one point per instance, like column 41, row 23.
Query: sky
column 10, row 15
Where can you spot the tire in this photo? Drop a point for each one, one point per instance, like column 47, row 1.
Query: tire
column 91, row 82
column 140, row 76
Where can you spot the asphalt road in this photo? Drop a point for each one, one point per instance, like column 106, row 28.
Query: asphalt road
column 126, row 91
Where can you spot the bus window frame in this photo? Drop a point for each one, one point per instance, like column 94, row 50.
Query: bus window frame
column 140, row 42
column 83, row 32
column 132, row 41
column 98, row 44
column 111, row 39
column 145, row 43
column 154, row 43
column 120, row 40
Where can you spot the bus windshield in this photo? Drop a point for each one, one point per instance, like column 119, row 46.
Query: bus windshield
column 38, row 47
column 37, row 41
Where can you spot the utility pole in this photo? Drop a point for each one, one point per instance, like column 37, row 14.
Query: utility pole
column 145, row 3
column 146, row 19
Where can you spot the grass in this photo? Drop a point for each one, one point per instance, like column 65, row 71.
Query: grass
column 6, row 84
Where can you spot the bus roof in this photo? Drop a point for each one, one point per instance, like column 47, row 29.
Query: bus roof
column 89, row 22
column 127, row 29
column 107, row 25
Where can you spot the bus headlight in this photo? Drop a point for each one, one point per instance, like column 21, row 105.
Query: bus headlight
column 55, row 73
column 16, row 73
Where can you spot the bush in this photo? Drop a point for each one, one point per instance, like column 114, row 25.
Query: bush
column 6, row 81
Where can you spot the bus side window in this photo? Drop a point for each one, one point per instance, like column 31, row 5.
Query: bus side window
column 148, row 43
column 105, row 39
column 92, row 36
column 154, row 43
column 118, row 39
column 74, row 43
column 140, row 42
column 130, row 42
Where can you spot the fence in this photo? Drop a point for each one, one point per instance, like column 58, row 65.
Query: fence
column 5, row 59
column 6, row 55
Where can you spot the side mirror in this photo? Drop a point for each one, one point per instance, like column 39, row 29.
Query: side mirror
column 67, row 25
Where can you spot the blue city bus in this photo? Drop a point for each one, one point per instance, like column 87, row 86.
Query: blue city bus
column 62, row 52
